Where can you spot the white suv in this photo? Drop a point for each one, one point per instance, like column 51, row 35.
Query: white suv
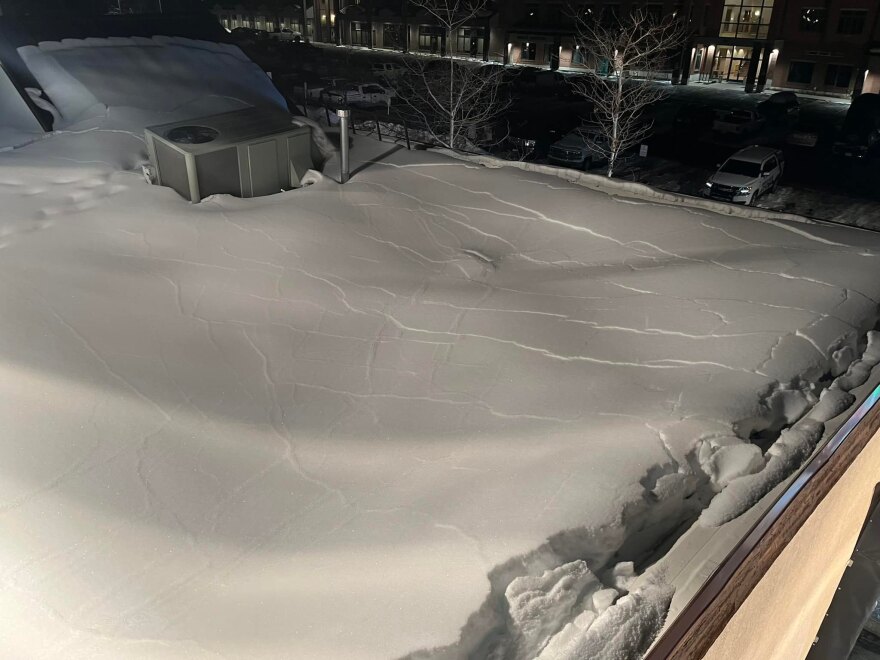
column 746, row 175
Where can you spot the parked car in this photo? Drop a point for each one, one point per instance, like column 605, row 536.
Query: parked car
column 286, row 34
column 317, row 86
column 694, row 117
column 780, row 107
column 573, row 86
column 738, row 122
column 539, row 81
column 804, row 135
column 746, row 175
column 358, row 94
column 861, row 128
column 582, row 148
column 387, row 70
column 246, row 35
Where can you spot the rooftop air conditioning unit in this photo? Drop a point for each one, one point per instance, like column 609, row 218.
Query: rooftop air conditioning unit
column 246, row 153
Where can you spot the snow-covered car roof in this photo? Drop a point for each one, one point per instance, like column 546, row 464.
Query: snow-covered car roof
column 755, row 154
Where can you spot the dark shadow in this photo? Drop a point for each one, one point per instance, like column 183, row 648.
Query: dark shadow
column 378, row 159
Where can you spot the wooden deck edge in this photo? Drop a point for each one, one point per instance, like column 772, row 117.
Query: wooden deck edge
column 699, row 624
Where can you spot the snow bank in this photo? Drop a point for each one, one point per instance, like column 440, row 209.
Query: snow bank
column 441, row 407
column 753, row 476
column 622, row 631
column 170, row 76
column 631, row 189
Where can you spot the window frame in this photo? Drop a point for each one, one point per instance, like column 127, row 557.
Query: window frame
column 849, row 14
column 791, row 67
column 838, row 69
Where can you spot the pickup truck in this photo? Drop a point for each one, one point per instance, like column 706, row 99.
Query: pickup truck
column 738, row 122
column 286, row 34
column 356, row 94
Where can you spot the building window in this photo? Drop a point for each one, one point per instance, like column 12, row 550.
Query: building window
column 813, row 19
column 469, row 40
column 359, row 34
column 746, row 18
column 851, row 21
column 430, row 38
column 393, row 36
column 529, row 52
column 801, row 72
column 838, row 75
column 578, row 58
column 731, row 63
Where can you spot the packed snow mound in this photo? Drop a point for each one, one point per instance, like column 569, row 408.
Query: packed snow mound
column 85, row 78
column 440, row 407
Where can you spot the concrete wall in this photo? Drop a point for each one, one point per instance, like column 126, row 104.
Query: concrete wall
column 780, row 618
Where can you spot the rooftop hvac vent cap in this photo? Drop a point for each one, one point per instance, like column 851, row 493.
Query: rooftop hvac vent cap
column 192, row 134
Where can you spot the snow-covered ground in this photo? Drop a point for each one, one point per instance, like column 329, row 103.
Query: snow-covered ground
column 440, row 407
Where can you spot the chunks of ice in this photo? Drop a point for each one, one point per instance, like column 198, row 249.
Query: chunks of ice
column 632, row 622
column 540, row 605
column 832, row 403
column 734, row 461
column 785, row 455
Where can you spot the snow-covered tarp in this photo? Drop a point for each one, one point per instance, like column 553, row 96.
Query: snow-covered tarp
column 443, row 410
column 87, row 78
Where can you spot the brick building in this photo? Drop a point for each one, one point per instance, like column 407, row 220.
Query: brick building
column 821, row 46
column 388, row 24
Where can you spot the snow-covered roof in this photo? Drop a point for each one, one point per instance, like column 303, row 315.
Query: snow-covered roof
column 755, row 154
column 443, row 404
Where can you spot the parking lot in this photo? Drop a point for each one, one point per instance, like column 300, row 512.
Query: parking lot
column 680, row 157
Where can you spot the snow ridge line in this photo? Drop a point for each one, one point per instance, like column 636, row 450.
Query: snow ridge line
column 578, row 595
column 616, row 187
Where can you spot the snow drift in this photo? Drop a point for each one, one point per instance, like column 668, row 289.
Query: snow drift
column 443, row 410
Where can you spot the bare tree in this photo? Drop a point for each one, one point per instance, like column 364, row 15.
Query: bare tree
column 456, row 102
column 637, row 46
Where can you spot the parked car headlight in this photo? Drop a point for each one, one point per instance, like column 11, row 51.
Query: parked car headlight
column 708, row 184
column 745, row 190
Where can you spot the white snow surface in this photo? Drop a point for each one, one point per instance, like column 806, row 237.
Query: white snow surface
column 443, row 410
column 162, row 77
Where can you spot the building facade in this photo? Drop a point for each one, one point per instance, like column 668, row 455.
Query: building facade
column 819, row 46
